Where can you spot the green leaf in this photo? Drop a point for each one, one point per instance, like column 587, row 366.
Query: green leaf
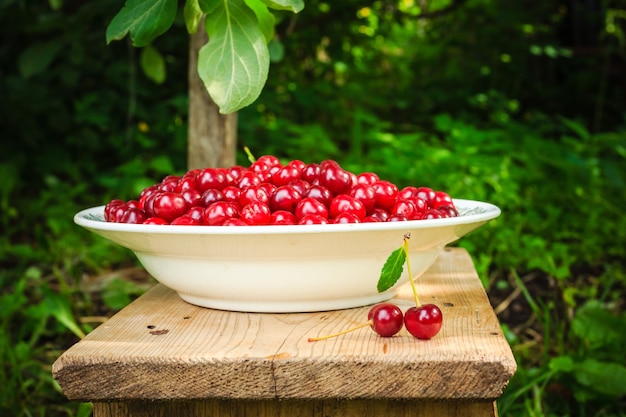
column 153, row 64
column 605, row 377
column 277, row 50
column 265, row 18
column 390, row 274
column 144, row 19
column 60, row 309
column 207, row 6
column 562, row 364
column 597, row 326
column 37, row 57
column 193, row 15
column 293, row 5
column 235, row 62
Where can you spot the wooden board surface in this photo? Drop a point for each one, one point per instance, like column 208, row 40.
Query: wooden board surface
column 160, row 347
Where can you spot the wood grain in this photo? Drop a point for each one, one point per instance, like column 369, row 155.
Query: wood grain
column 162, row 348
column 296, row 408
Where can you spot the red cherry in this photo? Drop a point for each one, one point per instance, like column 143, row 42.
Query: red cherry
column 284, row 175
column 397, row 218
column 285, row 198
column 423, row 322
column 426, row 193
column 408, row 192
column 196, row 213
column 247, row 179
column 441, row 199
column 233, row 221
column 144, row 194
column 406, row 208
column 366, row 194
column 133, row 215
column 217, row 213
column 385, row 319
column 311, row 173
column 186, row 183
column 169, row 183
column 211, row 178
column 155, row 220
column 310, row 205
column 268, row 187
column 109, row 209
column 345, row 218
column 169, row 205
column 282, row 217
column 320, row 193
column 300, row 185
column 380, row 214
column 386, row 194
column 192, row 197
column 434, row 214
column 253, row 193
column 335, row 178
column 231, row 194
column 255, row 213
column 236, row 172
column 185, row 221
column 312, row 219
column 345, row 203
column 300, row 165
column 268, row 160
column 367, row 178
column 210, row 196
column 450, row 211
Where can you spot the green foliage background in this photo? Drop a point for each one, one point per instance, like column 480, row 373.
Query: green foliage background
column 518, row 104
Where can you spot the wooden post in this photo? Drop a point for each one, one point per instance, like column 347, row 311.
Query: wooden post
column 212, row 137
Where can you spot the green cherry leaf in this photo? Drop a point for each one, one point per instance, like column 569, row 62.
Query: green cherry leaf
column 265, row 18
column 293, row 5
column 234, row 64
column 144, row 19
column 193, row 15
column 153, row 64
column 390, row 274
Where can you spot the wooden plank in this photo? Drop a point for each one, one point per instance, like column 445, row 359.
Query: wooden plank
column 162, row 348
column 296, row 408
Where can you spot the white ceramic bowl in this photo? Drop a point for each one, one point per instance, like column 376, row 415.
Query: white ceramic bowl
column 284, row 268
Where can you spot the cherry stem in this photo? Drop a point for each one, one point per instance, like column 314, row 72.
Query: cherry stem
column 408, row 267
column 315, row 339
column 251, row 157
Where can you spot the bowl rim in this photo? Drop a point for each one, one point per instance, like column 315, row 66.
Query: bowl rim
column 472, row 212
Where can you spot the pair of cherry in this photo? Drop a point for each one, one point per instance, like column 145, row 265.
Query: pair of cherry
column 386, row 319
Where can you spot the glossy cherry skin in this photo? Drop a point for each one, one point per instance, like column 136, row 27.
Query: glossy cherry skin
column 335, row 178
column 366, row 194
column 345, row 203
column 169, row 205
column 255, row 213
column 282, row 217
column 423, row 322
column 310, row 205
column 284, row 198
column 386, row 319
column 211, row 178
column 217, row 213
column 320, row 193
column 386, row 194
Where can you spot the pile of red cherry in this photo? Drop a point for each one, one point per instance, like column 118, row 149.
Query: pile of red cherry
column 269, row 192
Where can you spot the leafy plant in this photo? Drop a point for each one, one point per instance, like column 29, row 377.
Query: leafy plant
column 234, row 64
